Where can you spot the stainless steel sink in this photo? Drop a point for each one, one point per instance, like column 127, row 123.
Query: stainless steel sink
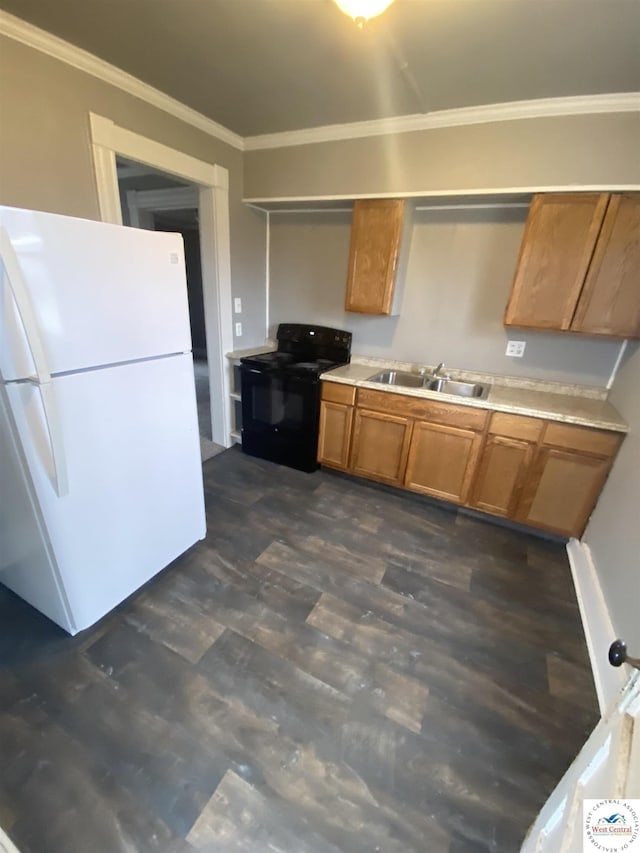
column 398, row 377
column 458, row 389
column 444, row 386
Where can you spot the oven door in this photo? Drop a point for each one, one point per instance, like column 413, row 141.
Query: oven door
column 280, row 415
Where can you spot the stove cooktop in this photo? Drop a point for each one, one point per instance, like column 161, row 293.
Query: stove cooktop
column 287, row 362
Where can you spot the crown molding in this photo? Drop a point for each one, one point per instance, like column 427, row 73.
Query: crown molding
column 27, row 34
column 514, row 110
column 32, row 36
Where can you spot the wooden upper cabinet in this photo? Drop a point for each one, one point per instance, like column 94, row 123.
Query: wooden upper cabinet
column 610, row 301
column 579, row 265
column 558, row 243
column 376, row 234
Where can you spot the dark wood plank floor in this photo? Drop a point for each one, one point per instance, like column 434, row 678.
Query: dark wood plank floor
column 337, row 667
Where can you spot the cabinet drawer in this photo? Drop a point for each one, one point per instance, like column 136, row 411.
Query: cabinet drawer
column 598, row 442
column 336, row 393
column 434, row 411
column 516, row 426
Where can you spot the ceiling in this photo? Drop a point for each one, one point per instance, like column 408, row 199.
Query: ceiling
column 266, row 66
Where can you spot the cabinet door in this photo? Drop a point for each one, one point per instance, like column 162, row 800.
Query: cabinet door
column 376, row 231
column 557, row 245
column 610, row 301
column 562, row 490
column 335, row 434
column 380, row 446
column 501, row 474
column 442, row 461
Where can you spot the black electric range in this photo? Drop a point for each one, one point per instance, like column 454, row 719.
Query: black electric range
column 281, row 393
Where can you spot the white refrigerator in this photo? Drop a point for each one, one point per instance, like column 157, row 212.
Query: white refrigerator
column 100, row 474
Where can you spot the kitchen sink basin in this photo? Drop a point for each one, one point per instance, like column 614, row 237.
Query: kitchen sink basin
column 399, row 377
column 444, row 386
column 458, row 389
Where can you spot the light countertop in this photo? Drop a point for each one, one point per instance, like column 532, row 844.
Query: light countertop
column 580, row 405
column 236, row 355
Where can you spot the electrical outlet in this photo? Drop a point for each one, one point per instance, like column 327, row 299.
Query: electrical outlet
column 515, row 348
column 238, row 330
column 237, row 305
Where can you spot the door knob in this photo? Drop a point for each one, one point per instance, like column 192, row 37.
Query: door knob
column 618, row 655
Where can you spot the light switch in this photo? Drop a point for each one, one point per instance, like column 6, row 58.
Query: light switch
column 238, row 330
column 237, row 305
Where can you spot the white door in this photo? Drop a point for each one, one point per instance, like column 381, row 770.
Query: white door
column 100, row 294
column 135, row 496
column 607, row 768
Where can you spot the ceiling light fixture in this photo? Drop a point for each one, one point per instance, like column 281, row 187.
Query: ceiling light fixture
column 362, row 10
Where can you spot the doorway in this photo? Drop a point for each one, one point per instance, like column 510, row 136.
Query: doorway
column 155, row 201
column 209, row 184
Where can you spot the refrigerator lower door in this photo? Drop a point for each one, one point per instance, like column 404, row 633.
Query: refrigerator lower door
column 27, row 565
column 135, row 495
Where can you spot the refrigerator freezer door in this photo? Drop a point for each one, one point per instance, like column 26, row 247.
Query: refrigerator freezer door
column 135, row 499
column 27, row 565
column 102, row 294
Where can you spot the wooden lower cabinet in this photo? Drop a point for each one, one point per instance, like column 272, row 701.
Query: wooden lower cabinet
column 501, row 475
column 380, row 446
column 442, row 461
column 544, row 474
column 562, row 490
column 334, row 439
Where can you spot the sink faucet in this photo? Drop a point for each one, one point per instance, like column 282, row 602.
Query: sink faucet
column 436, row 372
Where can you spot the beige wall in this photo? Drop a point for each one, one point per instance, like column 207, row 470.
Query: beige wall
column 45, row 156
column 613, row 533
column 458, row 277
column 566, row 151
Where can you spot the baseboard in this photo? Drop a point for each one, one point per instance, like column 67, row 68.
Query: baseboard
column 596, row 621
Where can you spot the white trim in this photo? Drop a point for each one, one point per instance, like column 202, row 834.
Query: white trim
column 215, row 245
column 622, row 102
column 216, row 279
column 38, row 39
column 485, row 193
column 616, row 366
column 267, row 280
column 143, row 150
column 19, row 30
column 596, row 621
column 106, row 176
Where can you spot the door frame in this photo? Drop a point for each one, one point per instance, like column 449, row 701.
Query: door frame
column 109, row 139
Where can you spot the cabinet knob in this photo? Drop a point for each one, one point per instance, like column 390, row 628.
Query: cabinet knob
column 618, row 655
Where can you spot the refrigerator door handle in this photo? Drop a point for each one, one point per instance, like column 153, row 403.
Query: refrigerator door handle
column 42, row 378
column 56, row 441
